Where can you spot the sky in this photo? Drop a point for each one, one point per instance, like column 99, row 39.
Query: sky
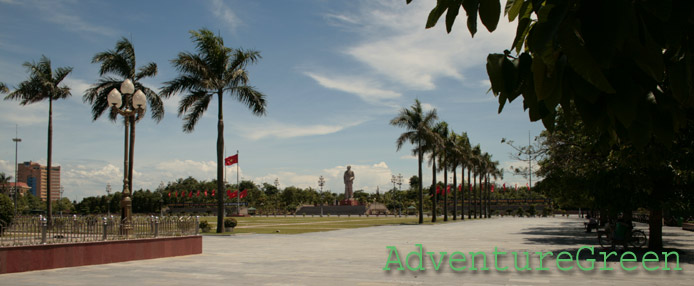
column 334, row 72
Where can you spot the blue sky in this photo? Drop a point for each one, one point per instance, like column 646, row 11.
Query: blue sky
column 334, row 72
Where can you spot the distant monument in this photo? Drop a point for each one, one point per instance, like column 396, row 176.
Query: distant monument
column 349, row 179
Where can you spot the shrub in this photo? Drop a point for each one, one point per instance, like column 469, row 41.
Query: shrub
column 520, row 212
column 6, row 209
column 531, row 210
column 230, row 222
column 204, row 225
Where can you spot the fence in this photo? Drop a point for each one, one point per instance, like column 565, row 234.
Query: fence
column 32, row 230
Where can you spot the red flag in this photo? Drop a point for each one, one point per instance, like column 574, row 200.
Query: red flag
column 516, row 187
column 526, row 184
column 232, row 194
column 470, row 186
column 169, row 194
column 243, row 194
column 460, row 187
column 198, row 194
column 190, row 194
column 213, row 192
column 206, row 193
column 229, row 193
column 438, row 189
column 448, row 189
column 504, row 187
column 231, row 160
column 183, row 194
column 175, row 194
column 492, row 188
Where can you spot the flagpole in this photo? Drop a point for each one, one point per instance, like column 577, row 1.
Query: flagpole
column 238, row 198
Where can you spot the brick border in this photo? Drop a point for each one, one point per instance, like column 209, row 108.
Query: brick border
column 40, row 257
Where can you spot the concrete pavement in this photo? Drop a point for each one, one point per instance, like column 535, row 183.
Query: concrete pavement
column 358, row 256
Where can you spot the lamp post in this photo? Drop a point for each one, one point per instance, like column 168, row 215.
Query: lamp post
column 16, row 146
column 321, row 183
column 131, row 105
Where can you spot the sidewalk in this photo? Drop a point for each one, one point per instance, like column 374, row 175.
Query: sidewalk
column 357, row 257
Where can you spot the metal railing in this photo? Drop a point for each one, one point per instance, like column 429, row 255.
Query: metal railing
column 35, row 230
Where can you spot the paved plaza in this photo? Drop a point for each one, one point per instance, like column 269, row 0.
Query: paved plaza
column 358, row 256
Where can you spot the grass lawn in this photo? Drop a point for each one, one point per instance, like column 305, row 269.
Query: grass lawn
column 294, row 225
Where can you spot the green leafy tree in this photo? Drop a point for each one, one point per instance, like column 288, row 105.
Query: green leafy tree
column 43, row 83
column 6, row 211
column 418, row 125
column 214, row 70
column 628, row 69
column 5, row 183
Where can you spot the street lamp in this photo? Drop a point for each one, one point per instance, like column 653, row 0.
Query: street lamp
column 16, row 144
column 131, row 105
column 321, row 183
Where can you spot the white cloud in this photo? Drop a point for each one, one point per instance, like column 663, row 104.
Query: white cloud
column 366, row 89
column 60, row 12
column 256, row 131
column 408, row 157
column 426, row 107
column 224, row 13
column 35, row 113
column 394, row 44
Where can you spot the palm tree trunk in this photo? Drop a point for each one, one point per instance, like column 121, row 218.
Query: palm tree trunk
column 455, row 193
column 49, row 207
column 486, row 196
column 421, row 193
column 469, row 200
column 474, row 192
column 462, row 192
column 433, row 186
column 220, row 165
column 445, row 193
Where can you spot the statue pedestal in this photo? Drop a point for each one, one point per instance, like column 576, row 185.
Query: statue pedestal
column 349, row 202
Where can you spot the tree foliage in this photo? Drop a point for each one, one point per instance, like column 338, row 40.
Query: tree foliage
column 628, row 66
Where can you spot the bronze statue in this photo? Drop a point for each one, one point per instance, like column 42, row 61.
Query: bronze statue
column 349, row 179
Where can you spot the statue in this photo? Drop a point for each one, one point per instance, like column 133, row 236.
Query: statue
column 349, row 179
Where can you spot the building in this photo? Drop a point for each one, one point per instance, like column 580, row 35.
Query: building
column 35, row 175
column 8, row 189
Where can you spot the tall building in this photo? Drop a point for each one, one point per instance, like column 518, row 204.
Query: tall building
column 35, row 175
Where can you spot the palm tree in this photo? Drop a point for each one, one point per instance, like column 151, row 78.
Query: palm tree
column 484, row 171
column 445, row 156
column 456, row 159
column 418, row 125
column 120, row 62
column 214, row 70
column 43, row 83
column 475, row 163
column 493, row 171
column 435, row 146
column 3, row 88
column 463, row 159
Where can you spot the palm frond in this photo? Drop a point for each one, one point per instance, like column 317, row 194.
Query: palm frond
column 148, row 70
column 253, row 99
column 41, row 84
column 3, row 88
column 199, row 108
